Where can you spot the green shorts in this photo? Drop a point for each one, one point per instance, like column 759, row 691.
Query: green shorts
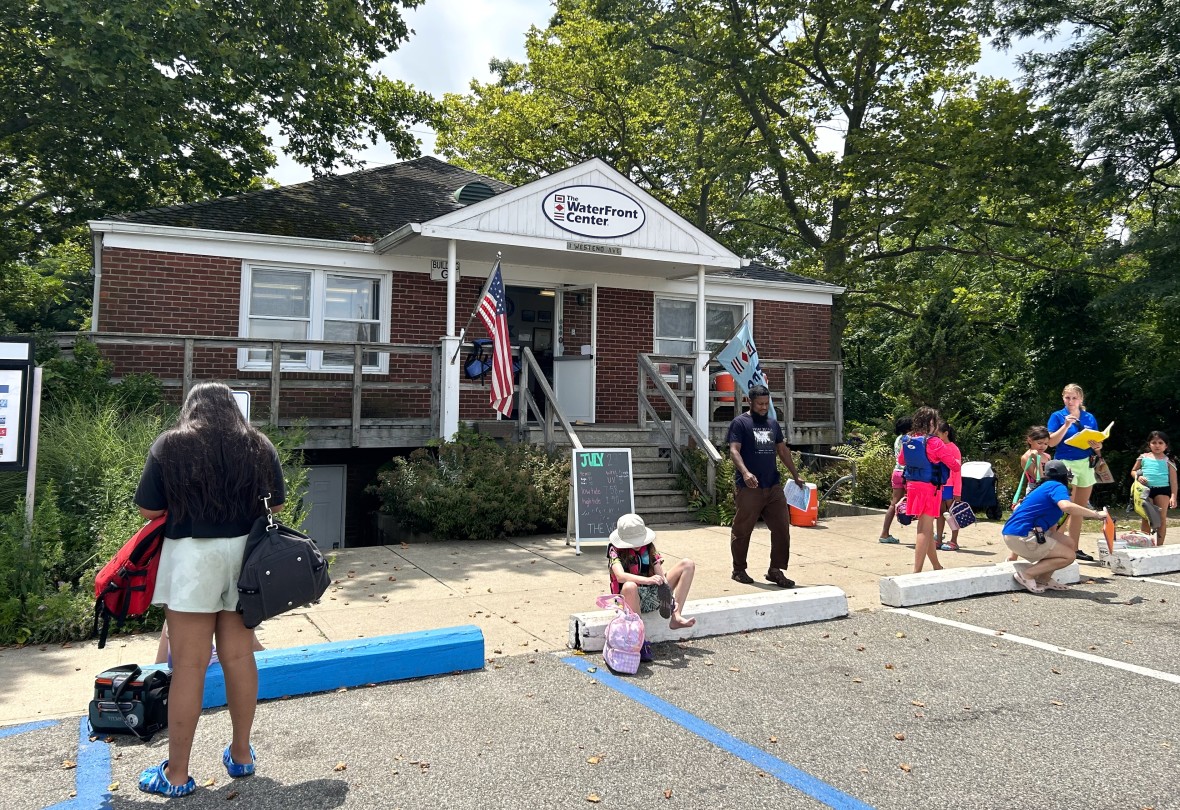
column 1083, row 474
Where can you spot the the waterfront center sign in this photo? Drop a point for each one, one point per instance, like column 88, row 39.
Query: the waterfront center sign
column 593, row 211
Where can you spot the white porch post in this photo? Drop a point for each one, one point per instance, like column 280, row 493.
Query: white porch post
column 700, row 375
column 449, row 376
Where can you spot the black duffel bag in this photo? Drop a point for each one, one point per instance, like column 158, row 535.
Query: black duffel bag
column 282, row 569
column 128, row 700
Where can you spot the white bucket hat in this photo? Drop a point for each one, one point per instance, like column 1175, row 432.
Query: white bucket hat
column 631, row 533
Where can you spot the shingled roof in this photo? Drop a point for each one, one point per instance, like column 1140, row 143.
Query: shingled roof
column 358, row 207
column 760, row 272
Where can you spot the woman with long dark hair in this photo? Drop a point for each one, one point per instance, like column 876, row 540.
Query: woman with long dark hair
column 210, row 474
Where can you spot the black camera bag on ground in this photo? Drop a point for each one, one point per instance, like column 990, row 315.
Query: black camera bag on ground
column 128, row 700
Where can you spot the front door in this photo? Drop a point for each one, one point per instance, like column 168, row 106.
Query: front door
column 325, row 500
column 573, row 365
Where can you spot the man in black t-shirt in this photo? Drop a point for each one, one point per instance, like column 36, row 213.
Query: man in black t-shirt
column 755, row 441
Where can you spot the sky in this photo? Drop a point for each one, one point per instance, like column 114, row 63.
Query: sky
column 453, row 41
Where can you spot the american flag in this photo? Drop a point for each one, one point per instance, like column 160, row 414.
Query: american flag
column 492, row 311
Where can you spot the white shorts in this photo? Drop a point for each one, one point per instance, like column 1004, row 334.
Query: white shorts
column 200, row 575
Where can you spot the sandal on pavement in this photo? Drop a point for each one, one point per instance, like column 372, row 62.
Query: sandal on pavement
column 153, row 780
column 1030, row 585
column 667, row 603
column 776, row 576
column 1053, row 585
column 742, row 577
column 888, row 539
column 237, row 770
column 951, row 546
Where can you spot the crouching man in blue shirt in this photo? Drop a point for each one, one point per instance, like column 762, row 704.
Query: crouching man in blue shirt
column 1031, row 532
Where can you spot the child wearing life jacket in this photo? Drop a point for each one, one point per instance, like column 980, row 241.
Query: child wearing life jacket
column 1155, row 470
column 1032, row 465
column 637, row 574
column 928, row 465
column 951, row 490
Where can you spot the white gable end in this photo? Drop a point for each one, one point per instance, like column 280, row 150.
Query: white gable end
column 593, row 204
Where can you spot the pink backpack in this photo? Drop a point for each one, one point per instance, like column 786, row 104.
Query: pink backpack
column 624, row 635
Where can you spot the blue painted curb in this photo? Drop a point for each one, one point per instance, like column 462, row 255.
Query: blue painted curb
column 336, row 664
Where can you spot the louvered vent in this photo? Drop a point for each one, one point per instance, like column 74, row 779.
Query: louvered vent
column 474, row 192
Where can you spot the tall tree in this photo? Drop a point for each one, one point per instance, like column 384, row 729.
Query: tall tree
column 125, row 104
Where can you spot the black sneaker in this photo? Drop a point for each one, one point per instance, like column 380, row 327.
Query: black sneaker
column 742, row 577
column 1084, row 557
column 776, row 576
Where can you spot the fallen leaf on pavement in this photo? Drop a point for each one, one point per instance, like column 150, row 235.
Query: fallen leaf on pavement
column 67, row 764
column 233, row 794
column 774, row 739
column 209, row 783
column 593, row 798
column 113, row 786
column 917, row 703
column 899, row 634
column 668, row 793
column 905, row 766
column 899, row 736
column 594, row 760
column 340, row 766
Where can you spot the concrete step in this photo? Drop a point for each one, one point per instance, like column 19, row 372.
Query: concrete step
column 660, row 497
column 648, row 481
column 666, row 514
column 661, row 466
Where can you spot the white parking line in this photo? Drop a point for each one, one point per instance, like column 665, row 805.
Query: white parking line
column 1161, row 582
column 1041, row 645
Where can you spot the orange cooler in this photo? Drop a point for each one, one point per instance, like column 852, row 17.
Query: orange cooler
column 810, row 515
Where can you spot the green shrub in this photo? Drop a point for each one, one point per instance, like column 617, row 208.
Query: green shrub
column 874, row 467
column 472, row 488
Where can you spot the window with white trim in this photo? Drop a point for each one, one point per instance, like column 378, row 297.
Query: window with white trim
column 676, row 324
column 282, row 303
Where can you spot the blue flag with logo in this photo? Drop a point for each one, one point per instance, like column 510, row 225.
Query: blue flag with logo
column 740, row 358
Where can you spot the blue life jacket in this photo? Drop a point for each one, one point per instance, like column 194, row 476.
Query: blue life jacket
column 918, row 467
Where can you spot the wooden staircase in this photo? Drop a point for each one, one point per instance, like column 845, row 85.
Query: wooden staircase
column 658, row 497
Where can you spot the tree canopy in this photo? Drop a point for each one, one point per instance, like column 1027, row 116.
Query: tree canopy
column 122, row 105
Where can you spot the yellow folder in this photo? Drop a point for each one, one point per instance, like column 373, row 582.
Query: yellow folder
column 1083, row 437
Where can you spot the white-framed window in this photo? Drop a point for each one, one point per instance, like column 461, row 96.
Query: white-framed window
column 676, row 323
column 301, row 303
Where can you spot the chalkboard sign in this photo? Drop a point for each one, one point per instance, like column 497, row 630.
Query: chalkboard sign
column 602, row 492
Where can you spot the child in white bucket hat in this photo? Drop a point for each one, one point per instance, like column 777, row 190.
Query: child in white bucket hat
column 637, row 574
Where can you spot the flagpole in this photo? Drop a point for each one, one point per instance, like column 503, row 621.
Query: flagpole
column 462, row 332
column 724, row 343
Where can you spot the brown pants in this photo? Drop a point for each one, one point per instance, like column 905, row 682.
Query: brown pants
column 770, row 504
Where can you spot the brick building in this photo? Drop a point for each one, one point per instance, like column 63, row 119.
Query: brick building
column 332, row 302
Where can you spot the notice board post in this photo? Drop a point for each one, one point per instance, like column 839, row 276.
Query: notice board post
column 602, row 491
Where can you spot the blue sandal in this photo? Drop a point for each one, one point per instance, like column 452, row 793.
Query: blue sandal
column 153, row 780
column 237, row 770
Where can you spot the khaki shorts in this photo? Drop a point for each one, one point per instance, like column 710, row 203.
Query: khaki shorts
column 1083, row 473
column 200, row 575
column 1028, row 547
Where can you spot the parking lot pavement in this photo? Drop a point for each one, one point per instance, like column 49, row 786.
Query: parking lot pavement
column 1006, row 701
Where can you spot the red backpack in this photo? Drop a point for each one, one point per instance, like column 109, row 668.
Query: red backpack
column 124, row 587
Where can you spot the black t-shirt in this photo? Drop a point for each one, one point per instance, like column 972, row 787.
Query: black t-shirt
column 759, row 439
column 150, row 495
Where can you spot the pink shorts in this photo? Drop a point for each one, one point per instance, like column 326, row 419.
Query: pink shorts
column 898, row 479
column 922, row 499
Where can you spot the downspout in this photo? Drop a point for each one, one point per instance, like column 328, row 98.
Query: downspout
column 96, row 270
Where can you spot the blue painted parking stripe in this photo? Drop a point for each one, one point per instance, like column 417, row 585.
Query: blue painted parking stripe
column 800, row 780
column 12, row 731
column 92, row 778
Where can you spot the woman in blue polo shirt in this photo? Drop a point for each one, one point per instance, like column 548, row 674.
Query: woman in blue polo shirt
column 1063, row 424
column 1032, row 533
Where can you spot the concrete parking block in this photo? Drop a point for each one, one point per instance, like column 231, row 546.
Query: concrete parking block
column 721, row 615
column 928, row 587
column 1142, row 562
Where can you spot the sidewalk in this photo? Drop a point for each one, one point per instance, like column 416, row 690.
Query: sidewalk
column 520, row 592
